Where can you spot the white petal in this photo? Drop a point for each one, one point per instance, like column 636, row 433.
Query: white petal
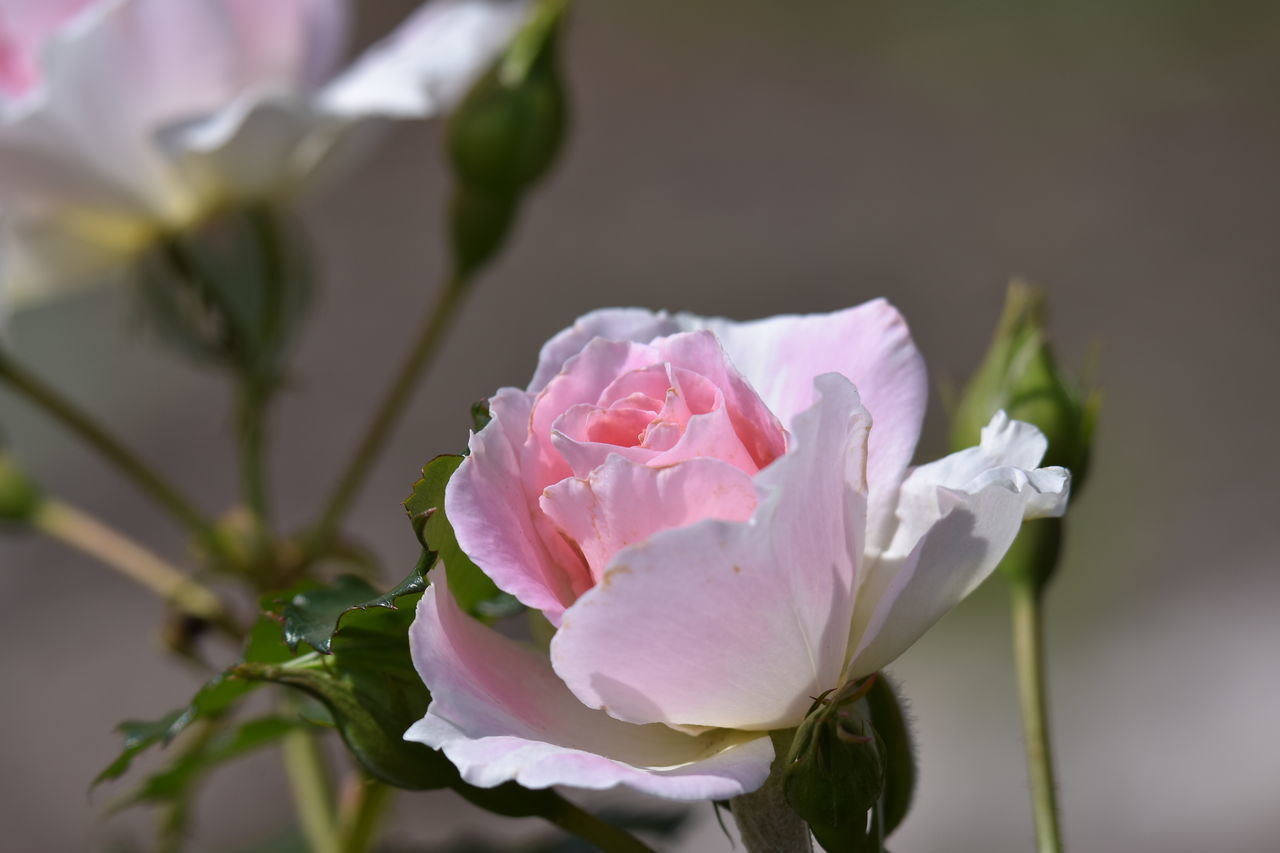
column 426, row 66
column 957, row 518
column 500, row 714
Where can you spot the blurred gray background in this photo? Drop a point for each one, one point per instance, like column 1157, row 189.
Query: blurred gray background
column 750, row 158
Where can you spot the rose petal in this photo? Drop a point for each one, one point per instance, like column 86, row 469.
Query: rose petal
column 622, row 503
column 426, row 66
column 781, row 356
column 493, row 516
column 731, row 624
column 500, row 714
column 957, row 518
column 756, row 423
column 614, row 324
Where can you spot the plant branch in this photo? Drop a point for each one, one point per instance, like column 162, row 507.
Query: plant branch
column 90, row 536
column 251, row 423
column 425, row 345
column 1028, row 649
column 600, row 834
column 362, row 814
column 309, row 780
column 43, row 396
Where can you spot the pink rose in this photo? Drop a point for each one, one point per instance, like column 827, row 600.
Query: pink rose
column 720, row 520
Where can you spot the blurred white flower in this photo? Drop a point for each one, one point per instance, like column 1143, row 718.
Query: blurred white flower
column 123, row 119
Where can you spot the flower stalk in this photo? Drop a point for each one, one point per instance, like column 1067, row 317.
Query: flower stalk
column 90, row 536
column 308, row 776
column 39, row 393
column 425, row 345
column 1028, row 648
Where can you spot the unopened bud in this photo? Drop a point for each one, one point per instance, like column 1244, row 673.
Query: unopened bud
column 506, row 133
column 503, row 137
column 835, row 771
column 1020, row 375
column 20, row 497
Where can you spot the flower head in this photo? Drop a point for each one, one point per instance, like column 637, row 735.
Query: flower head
column 721, row 521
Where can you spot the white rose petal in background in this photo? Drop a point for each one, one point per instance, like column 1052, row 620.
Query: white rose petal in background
column 122, row 118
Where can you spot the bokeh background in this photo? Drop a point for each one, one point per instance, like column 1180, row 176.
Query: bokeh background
column 749, row 158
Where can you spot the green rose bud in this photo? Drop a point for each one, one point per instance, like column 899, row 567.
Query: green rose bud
column 503, row 138
column 20, row 497
column 835, row 771
column 1020, row 376
column 506, row 133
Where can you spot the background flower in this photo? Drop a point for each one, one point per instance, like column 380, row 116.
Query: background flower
column 120, row 119
column 715, row 547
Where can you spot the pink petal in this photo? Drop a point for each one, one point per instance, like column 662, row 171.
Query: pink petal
column 756, row 423
column 957, row 518
column 870, row 344
column 781, row 356
column 622, row 503
column 500, row 714
column 494, row 518
column 583, row 380
column 731, row 624
column 614, row 324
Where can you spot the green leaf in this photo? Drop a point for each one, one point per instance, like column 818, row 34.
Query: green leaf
column 138, row 736
column 366, row 680
column 314, row 615
column 212, row 700
column 899, row 757
column 177, row 781
column 480, row 415
column 471, row 587
column 373, row 701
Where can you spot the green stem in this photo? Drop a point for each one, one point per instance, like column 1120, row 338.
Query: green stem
column 360, row 822
column 600, row 834
column 766, row 821
column 43, row 396
column 1028, row 649
column 425, row 345
column 309, row 780
column 251, row 420
column 92, row 537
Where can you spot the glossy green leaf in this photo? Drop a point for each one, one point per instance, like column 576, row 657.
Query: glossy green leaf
column 471, row 587
column 374, row 695
column 314, row 615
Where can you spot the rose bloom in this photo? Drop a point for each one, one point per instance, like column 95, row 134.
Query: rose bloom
column 721, row 522
column 120, row 119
